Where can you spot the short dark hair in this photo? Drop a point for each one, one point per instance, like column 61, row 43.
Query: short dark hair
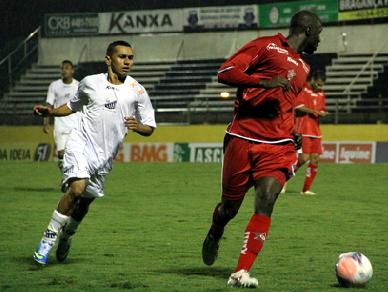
column 67, row 62
column 301, row 20
column 113, row 45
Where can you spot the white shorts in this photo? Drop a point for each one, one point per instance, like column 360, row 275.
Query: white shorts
column 78, row 163
column 60, row 139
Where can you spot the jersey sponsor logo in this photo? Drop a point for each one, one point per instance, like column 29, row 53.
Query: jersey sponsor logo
column 111, row 105
column 272, row 46
column 111, row 87
column 291, row 60
column 291, row 74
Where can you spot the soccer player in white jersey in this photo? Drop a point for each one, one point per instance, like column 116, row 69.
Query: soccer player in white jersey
column 60, row 92
column 111, row 103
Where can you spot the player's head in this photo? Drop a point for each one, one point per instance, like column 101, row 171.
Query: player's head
column 317, row 80
column 67, row 69
column 309, row 26
column 119, row 58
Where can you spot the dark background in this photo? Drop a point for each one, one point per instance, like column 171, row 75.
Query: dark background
column 20, row 17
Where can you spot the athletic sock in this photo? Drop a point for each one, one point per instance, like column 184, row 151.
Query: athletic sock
column 57, row 221
column 254, row 237
column 311, row 172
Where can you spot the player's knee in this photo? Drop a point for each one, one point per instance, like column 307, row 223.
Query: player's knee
column 76, row 190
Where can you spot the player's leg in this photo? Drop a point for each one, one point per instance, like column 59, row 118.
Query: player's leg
column 272, row 166
column 311, row 173
column 60, row 142
column 312, row 168
column 59, row 219
column 236, row 180
column 69, row 229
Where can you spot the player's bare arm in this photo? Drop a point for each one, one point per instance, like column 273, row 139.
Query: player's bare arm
column 47, row 111
column 46, row 125
column 132, row 124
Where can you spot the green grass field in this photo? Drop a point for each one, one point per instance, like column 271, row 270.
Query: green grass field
column 147, row 233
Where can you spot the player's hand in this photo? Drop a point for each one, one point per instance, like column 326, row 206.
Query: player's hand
column 131, row 123
column 323, row 113
column 42, row 110
column 297, row 140
column 276, row 81
column 46, row 129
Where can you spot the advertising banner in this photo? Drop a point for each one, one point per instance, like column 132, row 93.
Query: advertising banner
column 279, row 14
column 381, row 152
column 142, row 21
column 356, row 9
column 206, row 152
column 146, row 152
column 220, row 18
column 329, row 152
column 356, row 152
column 25, row 151
column 71, row 24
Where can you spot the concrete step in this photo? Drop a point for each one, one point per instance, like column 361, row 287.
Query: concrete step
column 350, row 67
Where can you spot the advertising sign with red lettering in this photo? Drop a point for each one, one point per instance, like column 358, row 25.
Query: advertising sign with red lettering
column 356, row 152
column 329, row 152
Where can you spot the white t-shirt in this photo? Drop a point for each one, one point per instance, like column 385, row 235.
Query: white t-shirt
column 58, row 94
column 104, row 107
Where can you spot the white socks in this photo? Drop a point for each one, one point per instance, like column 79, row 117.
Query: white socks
column 57, row 221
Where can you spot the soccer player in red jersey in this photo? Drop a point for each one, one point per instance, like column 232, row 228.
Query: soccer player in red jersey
column 310, row 106
column 259, row 145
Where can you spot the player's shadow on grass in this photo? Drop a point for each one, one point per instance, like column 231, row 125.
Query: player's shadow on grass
column 31, row 189
column 199, row 271
column 31, row 265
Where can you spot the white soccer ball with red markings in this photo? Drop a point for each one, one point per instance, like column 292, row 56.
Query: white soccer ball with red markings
column 353, row 269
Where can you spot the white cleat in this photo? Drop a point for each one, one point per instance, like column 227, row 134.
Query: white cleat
column 242, row 279
column 308, row 193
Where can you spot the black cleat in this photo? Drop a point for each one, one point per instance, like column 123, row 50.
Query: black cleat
column 210, row 249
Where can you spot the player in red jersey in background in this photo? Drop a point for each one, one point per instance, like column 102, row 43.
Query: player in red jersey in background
column 259, row 144
column 310, row 106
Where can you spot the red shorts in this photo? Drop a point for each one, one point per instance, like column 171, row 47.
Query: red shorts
column 245, row 162
column 311, row 145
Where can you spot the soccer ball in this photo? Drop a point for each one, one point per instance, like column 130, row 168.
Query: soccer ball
column 353, row 269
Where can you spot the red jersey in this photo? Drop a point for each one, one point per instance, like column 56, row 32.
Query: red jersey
column 308, row 124
column 264, row 115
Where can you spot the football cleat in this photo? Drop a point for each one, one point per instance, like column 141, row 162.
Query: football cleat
column 210, row 249
column 308, row 193
column 64, row 244
column 242, row 279
column 43, row 251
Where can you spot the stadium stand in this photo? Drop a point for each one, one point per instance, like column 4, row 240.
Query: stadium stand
column 187, row 91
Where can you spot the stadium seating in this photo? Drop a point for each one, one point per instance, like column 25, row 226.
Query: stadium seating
column 187, row 91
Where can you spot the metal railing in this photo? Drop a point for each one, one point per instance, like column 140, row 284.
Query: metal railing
column 17, row 60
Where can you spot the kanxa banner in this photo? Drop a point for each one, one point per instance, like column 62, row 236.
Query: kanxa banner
column 71, row 24
column 279, row 14
column 142, row 21
column 359, row 9
column 221, row 18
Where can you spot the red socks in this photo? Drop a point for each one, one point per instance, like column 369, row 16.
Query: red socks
column 311, row 172
column 254, row 238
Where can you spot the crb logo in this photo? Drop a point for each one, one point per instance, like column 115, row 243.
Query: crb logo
column 59, row 22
